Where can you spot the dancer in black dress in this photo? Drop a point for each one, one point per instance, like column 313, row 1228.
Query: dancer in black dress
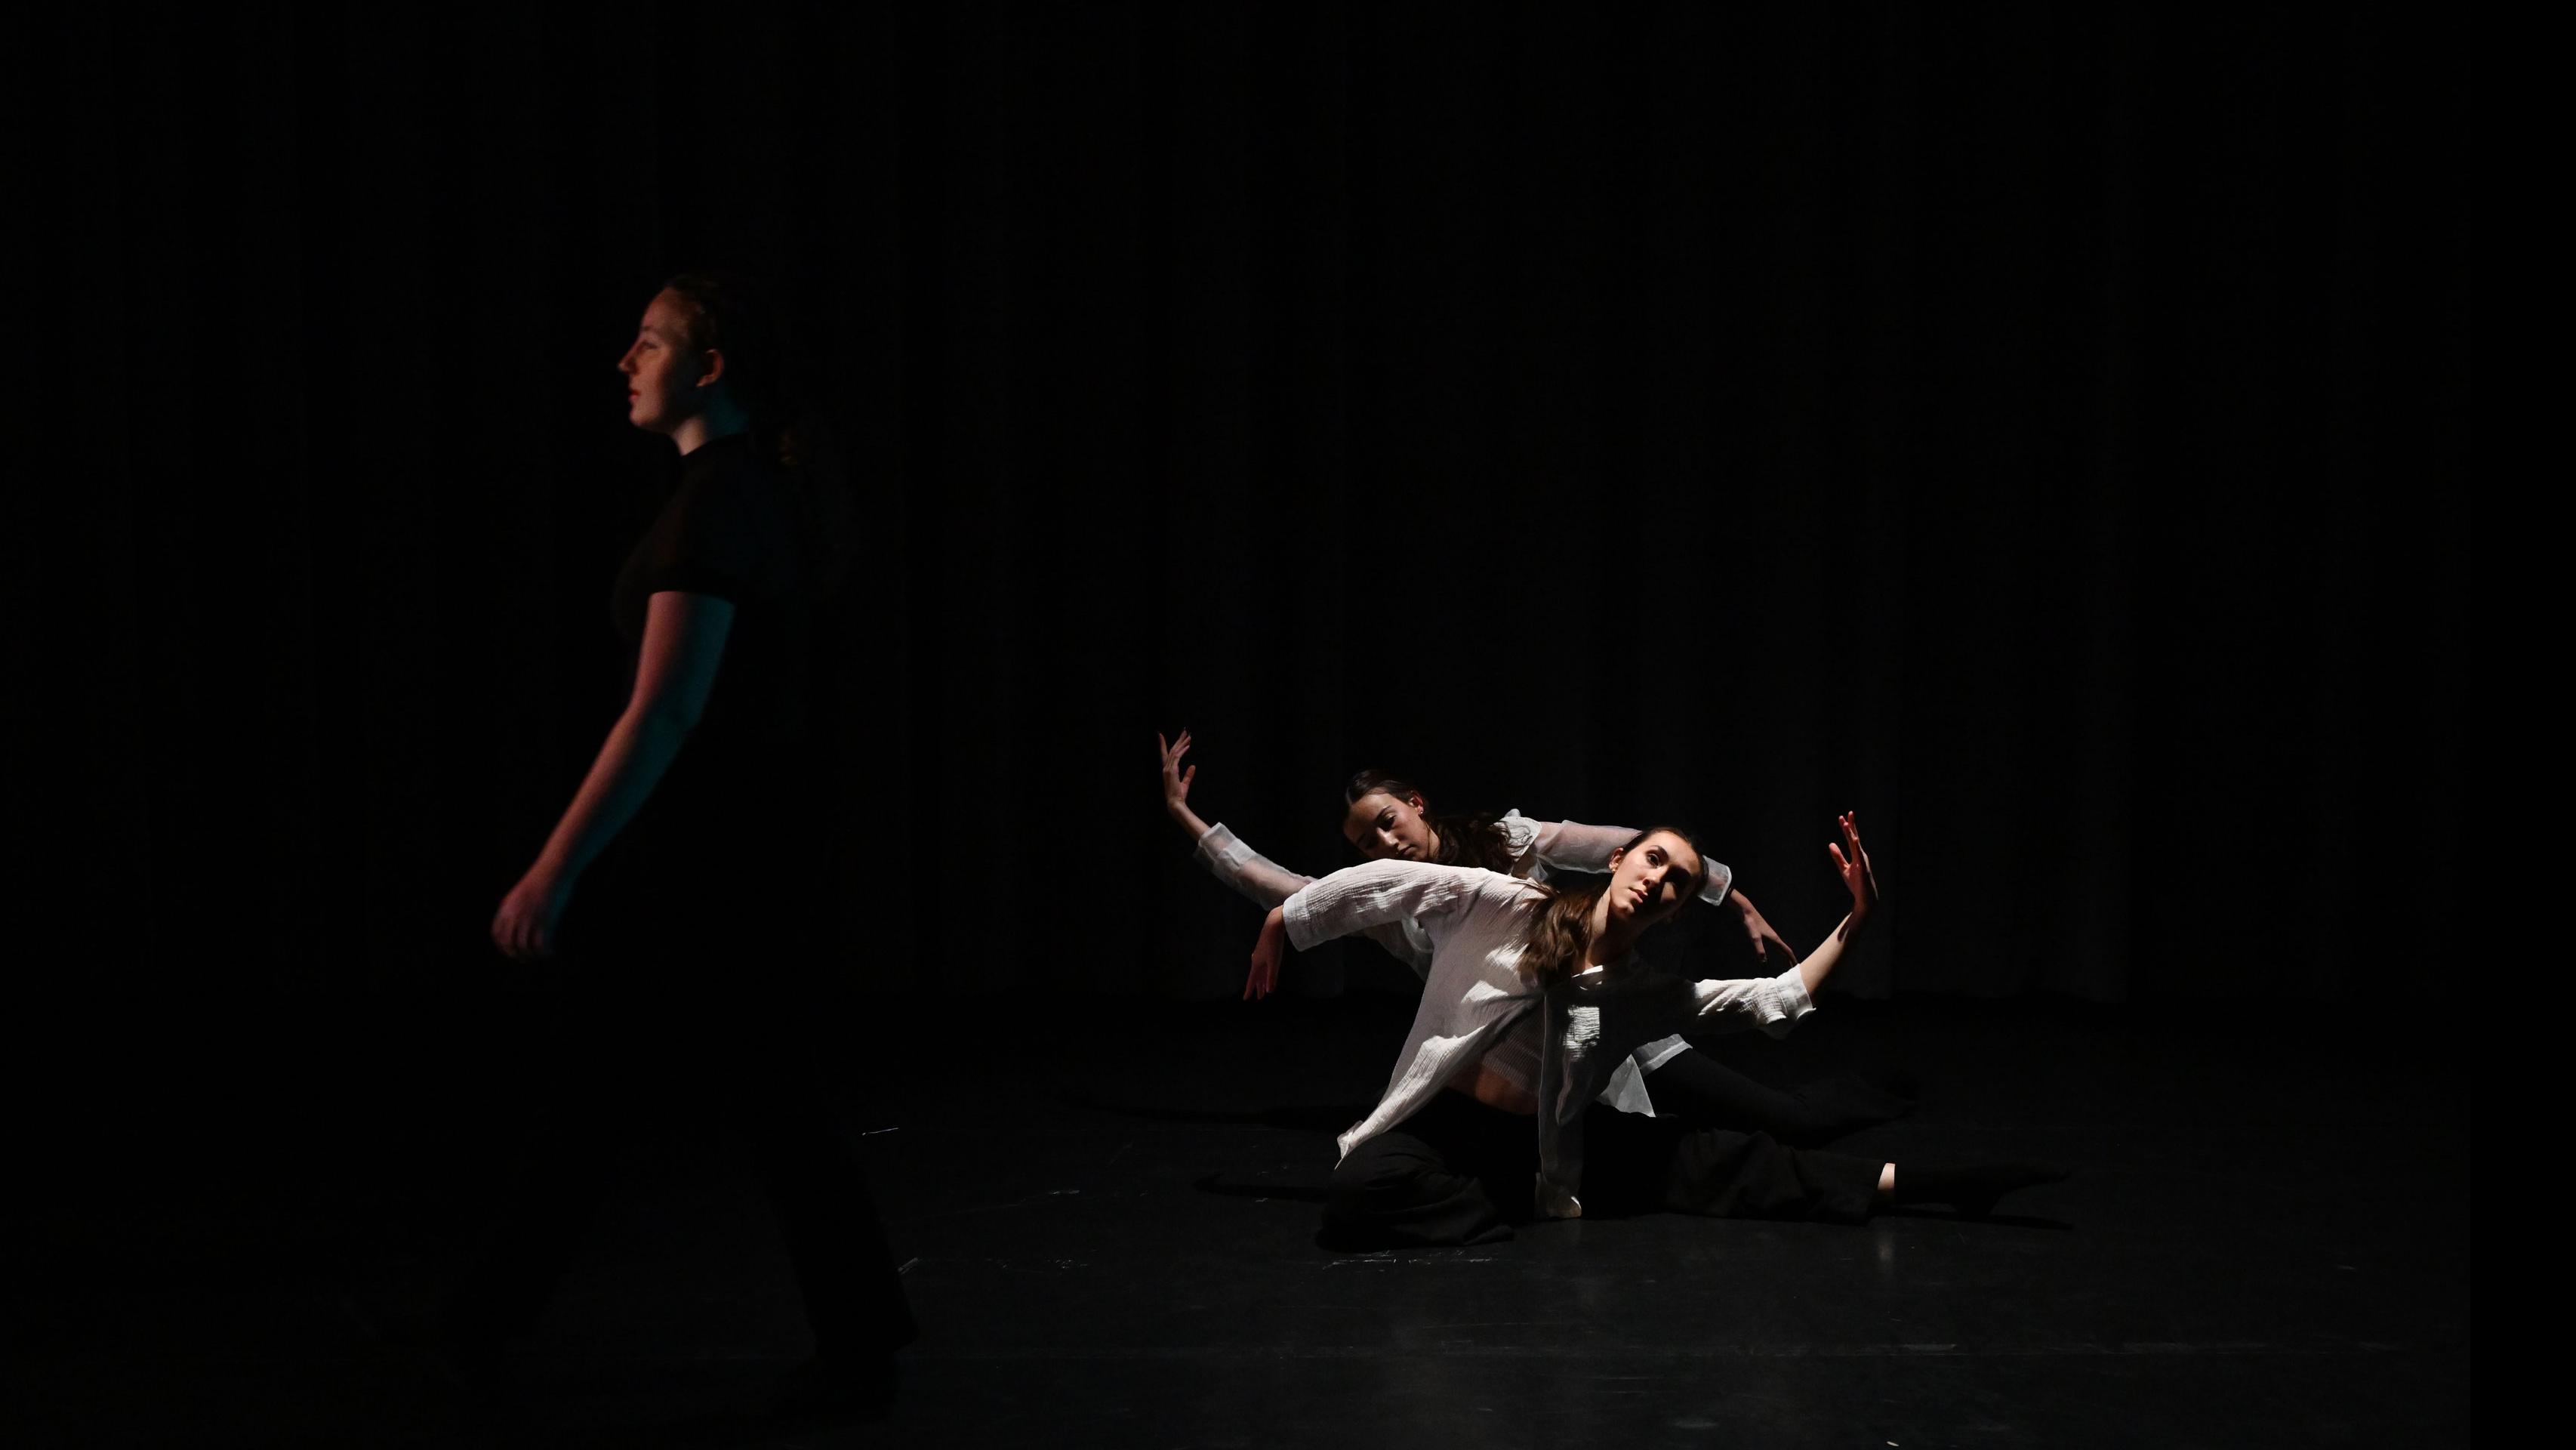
column 687, row 888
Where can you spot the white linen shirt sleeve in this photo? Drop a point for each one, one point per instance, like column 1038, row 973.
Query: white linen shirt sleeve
column 1572, row 846
column 1772, row 1004
column 1379, row 893
column 1267, row 884
column 1229, row 860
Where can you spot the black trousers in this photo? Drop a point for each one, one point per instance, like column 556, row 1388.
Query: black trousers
column 1697, row 1090
column 1459, row 1172
column 669, row 1015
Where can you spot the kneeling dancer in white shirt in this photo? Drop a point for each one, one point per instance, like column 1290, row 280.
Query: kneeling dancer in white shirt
column 1534, row 997
column 1386, row 818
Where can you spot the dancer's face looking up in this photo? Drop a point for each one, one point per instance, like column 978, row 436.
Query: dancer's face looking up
column 1386, row 827
column 1651, row 879
column 667, row 380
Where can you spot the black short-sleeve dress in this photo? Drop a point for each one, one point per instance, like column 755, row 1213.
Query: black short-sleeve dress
column 731, row 853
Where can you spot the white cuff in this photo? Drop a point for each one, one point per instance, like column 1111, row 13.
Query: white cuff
column 1219, row 848
column 1721, row 880
column 1793, row 998
column 1301, row 925
column 1655, row 1054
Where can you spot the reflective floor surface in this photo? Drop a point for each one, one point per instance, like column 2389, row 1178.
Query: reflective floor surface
column 1106, row 1233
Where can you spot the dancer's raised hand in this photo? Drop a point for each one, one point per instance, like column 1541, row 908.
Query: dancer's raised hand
column 1854, row 867
column 1176, row 784
column 1176, row 781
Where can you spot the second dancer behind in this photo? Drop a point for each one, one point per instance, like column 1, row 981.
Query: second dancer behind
column 1386, row 818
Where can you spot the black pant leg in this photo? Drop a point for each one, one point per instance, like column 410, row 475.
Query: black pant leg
column 1750, row 1175
column 1641, row 1165
column 549, row 1191
column 1456, row 1172
column 1697, row 1089
column 818, row 1188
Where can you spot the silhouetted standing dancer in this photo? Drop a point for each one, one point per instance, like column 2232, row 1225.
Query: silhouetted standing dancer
column 694, row 947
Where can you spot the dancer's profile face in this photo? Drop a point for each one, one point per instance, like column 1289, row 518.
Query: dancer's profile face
column 1386, row 827
column 662, row 370
column 1652, row 879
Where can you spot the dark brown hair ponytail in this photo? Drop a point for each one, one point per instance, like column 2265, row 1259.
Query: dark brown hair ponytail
column 735, row 316
column 1468, row 840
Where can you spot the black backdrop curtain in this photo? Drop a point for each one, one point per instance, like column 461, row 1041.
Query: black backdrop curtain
column 2045, row 430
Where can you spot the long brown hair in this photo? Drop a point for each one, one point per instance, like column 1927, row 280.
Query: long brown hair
column 1476, row 839
column 1560, row 922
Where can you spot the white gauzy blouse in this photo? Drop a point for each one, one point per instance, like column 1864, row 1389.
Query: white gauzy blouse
column 1477, row 923
column 1536, row 847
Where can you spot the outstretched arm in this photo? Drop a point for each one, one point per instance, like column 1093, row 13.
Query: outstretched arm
column 1226, row 857
column 1774, row 1004
column 1360, row 900
column 1265, row 882
column 1863, row 887
column 1573, row 846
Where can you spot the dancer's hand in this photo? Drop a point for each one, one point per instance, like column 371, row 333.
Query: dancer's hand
column 1759, row 930
column 524, row 927
column 1854, row 868
column 1176, row 781
column 1266, row 953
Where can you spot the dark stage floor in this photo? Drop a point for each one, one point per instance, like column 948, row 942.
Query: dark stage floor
column 1107, row 1238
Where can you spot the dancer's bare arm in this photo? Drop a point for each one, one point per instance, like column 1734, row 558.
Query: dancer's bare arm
column 684, row 642
column 1176, row 785
column 1267, row 950
column 1863, row 886
column 1361, row 900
